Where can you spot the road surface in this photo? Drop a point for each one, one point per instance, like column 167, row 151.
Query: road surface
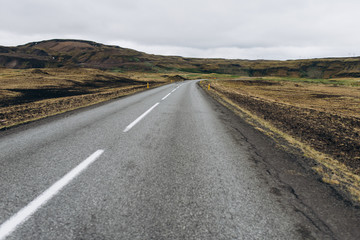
column 167, row 163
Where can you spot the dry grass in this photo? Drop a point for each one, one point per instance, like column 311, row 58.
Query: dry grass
column 30, row 94
column 330, row 98
column 22, row 113
column 62, row 77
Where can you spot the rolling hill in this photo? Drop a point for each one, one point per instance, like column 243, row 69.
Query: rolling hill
column 87, row 54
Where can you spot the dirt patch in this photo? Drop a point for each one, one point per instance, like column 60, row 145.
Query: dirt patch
column 33, row 95
column 175, row 78
column 259, row 83
column 324, row 96
column 39, row 71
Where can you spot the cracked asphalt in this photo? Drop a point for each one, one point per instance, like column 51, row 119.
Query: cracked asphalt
column 189, row 169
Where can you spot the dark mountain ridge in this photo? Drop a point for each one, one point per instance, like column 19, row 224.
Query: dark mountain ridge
column 88, row 54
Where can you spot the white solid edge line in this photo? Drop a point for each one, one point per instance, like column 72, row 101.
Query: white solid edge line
column 131, row 125
column 165, row 96
column 25, row 213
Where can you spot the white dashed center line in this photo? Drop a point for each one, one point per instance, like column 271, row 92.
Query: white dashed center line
column 25, row 213
column 131, row 125
column 165, row 96
column 136, row 121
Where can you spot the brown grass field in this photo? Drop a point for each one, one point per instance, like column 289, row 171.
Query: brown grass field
column 31, row 94
column 321, row 118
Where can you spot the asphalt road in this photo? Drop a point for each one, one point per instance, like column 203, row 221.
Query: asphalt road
column 156, row 165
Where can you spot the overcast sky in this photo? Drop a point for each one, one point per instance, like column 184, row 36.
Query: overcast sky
column 242, row 29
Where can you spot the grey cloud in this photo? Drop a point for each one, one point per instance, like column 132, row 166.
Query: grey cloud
column 227, row 28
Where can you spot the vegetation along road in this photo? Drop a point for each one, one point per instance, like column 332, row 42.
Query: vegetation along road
column 167, row 163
